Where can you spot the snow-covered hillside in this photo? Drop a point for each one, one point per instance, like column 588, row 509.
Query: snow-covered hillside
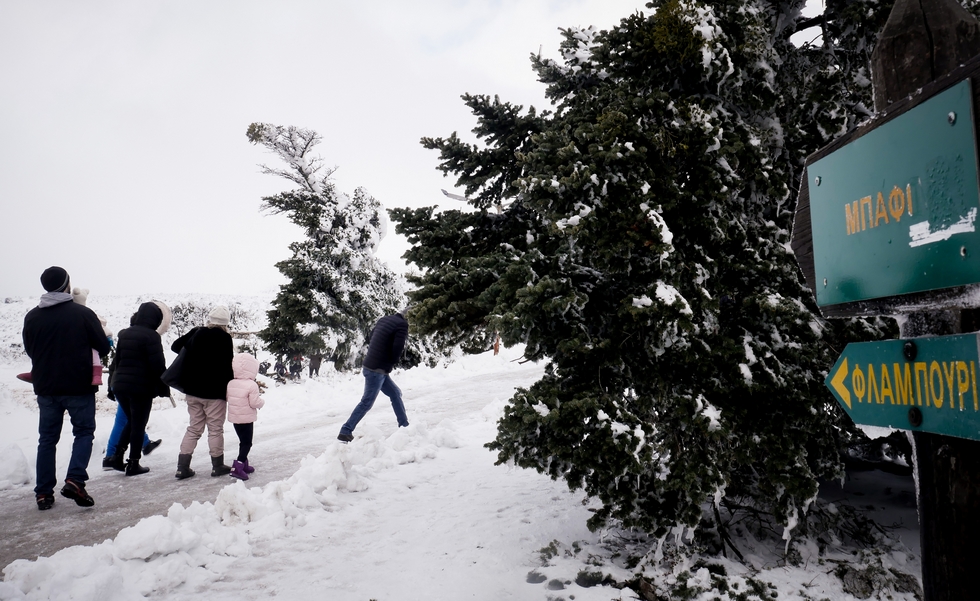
column 398, row 514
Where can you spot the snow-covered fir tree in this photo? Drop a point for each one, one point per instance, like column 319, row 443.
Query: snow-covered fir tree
column 637, row 237
column 337, row 287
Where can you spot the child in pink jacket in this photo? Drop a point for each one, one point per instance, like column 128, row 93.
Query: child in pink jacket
column 243, row 404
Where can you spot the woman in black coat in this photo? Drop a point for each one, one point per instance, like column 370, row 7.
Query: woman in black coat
column 136, row 370
column 204, row 378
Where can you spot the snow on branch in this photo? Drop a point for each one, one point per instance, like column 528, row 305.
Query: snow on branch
column 292, row 144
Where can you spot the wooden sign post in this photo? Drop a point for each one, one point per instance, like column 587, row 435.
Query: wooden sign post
column 921, row 262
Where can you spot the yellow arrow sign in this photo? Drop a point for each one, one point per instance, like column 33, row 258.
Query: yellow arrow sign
column 838, row 383
column 879, row 383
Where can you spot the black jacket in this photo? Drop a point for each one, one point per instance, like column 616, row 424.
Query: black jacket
column 59, row 340
column 207, row 364
column 387, row 343
column 139, row 359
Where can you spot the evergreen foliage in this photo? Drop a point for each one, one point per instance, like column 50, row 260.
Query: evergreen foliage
column 337, row 287
column 638, row 238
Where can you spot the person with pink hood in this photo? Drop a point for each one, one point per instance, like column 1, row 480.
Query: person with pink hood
column 243, row 405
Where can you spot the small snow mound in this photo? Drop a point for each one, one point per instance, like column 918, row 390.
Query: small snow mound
column 14, row 468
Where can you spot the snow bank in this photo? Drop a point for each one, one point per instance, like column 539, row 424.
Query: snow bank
column 194, row 545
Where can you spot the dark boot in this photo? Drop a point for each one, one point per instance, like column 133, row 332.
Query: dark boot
column 218, row 467
column 133, row 468
column 114, row 462
column 248, row 468
column 183, row 467
column 75, row 491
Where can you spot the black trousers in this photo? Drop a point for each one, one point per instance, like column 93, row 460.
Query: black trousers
column 137, row 410
column 244, row 432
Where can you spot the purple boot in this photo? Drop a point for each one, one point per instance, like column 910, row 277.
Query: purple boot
column 248, row 468
column 238, row 470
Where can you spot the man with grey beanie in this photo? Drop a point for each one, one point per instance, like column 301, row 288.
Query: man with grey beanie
column 59, row 336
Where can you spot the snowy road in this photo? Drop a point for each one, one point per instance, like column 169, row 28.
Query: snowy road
column 281, row 442
column 417, row 513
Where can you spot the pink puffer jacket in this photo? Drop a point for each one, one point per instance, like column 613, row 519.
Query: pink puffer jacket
column 243, row 393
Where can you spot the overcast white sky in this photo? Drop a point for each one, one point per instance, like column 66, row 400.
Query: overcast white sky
column 123, row 155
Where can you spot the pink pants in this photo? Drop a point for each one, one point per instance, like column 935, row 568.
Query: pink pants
column 205, row 412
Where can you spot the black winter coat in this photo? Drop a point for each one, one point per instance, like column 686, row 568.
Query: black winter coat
column 59, row 340
column 207, row 364
column 139, row 359
column 387, row 343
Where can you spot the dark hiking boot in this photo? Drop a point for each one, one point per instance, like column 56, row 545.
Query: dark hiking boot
column 150, row 446
column 345, row 437
column 45, row 501
column 133, row 468
column 76, row 492
column 218, row 467
column 114, row 462
column 248, row 468
column 183, row 467
column 238, row 470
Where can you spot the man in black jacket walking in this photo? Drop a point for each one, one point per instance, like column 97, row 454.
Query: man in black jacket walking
column 59, row 336
column 385, row 349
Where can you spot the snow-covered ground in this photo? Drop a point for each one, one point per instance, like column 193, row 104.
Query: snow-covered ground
column 398, row 514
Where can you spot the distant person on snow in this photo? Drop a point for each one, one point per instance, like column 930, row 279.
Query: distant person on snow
column 244, row 402
column 315, row 360
column 204, row 377
column 136, row 370
column 59, row 336
column 385, row 349
column 296, row 367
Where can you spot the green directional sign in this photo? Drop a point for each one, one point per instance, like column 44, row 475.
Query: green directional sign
column 927, row 384
column 895, row 211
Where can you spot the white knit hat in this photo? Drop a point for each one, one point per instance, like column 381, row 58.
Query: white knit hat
column 79, row 295
column 219, row 316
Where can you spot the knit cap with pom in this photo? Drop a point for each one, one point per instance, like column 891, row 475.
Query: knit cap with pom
column 79, row 295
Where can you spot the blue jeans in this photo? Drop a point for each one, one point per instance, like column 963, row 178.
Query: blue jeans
column 374, row 383
column 117, row 428
column 81, row 410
